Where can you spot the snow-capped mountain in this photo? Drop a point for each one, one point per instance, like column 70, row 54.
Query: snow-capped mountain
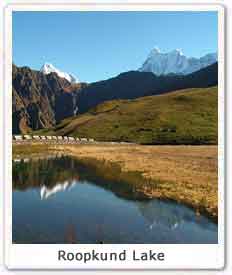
column 48, row 68
column 175, row 62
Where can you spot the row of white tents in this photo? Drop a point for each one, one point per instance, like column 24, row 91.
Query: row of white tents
column 51, row 138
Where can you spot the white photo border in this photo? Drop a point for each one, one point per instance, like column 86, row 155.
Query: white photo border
column 181, row 256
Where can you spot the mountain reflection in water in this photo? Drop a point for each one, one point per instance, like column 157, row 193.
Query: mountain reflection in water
column 46, row 192
column 76, row 205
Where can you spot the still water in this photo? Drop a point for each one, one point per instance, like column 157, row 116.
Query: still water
column 61, row 200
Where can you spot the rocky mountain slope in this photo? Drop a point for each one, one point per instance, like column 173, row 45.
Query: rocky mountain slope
column 40, row 100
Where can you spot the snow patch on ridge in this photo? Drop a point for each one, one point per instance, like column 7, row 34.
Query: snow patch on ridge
column 48, row 68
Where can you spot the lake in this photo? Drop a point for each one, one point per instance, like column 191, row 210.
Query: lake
column 60, row 199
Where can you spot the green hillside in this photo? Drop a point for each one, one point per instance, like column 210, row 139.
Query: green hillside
column 182, row 117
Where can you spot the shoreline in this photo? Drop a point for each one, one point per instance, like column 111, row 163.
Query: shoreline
column 185, row 174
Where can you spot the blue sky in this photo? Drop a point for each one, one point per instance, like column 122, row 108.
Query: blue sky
column 98, row 45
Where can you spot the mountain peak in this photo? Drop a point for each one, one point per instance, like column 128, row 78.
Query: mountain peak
column 177, row 51
column 156, row 50
column 48, row 68
column 175, row 62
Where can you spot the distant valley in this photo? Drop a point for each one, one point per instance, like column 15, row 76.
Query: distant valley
column 50, row 100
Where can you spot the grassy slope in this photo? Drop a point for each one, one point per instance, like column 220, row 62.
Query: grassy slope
column 182, row 117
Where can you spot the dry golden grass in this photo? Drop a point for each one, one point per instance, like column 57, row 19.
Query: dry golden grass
column 188, row 173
